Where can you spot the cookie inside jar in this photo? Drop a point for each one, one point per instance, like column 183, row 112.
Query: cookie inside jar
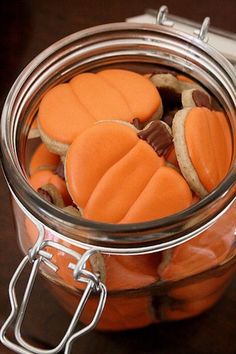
column 131, row 157
column 128, row 143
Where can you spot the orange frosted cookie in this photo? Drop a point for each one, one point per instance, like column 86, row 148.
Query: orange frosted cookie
column 122, row 182
column 43, row 159
column 131, row 272
column 209, row 249
column 70, row 108
column 203, row 146
column 42, row 178
column 182, row 310
column 120, row 312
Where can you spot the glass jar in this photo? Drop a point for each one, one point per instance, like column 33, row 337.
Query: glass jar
column 131, row 275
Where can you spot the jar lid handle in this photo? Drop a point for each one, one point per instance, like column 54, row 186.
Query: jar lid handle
column 162, row 19
column 36, row 256
column 203, row 32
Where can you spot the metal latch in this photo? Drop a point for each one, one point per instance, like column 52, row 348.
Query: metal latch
column 37, row 255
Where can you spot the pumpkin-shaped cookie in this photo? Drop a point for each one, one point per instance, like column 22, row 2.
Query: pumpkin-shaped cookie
column 203, row 146
column 47, row 176
column 116, row 177
column 70, row 108
column 42, row 178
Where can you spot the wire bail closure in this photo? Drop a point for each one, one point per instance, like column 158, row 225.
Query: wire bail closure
column 37, row 255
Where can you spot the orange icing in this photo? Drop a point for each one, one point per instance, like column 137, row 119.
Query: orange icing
column 203, row 252
column 131, row 272
column 141, row 96
column 192, row 257
column 42, row 157
column 119, row 313
column 170, row 156
column 114, row 182
column 61, row 116
column 191, row 308
column 34, row 125
column 130, row 175
column 100, row 98
column 209, row 145
column 95, row 158
column 184, row 78
column 68, row 109
column 40, row 178
column 166, row 193
column 201, row 288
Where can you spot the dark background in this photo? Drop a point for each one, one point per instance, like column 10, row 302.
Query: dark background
column 26, row 28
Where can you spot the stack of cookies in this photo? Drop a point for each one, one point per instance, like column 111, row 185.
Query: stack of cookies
column 120, row 147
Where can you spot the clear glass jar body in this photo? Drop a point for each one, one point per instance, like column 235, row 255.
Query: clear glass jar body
column 172, row 284
column 169, row 269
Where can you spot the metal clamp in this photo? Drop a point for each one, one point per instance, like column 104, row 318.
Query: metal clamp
column 36, row 256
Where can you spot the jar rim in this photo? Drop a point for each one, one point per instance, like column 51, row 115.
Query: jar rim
column 14, row 173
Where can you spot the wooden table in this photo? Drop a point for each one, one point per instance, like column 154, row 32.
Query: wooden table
column 27, row 27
